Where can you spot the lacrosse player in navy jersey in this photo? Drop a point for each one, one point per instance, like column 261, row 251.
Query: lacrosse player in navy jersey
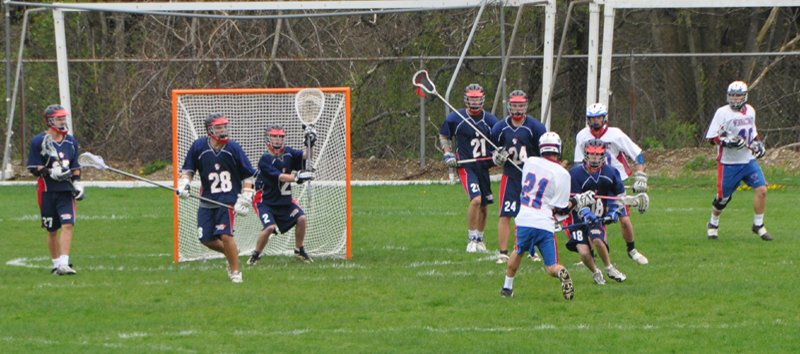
column 274, row 204
column 594, row 177
column 518, row 137
column 544, row 200
column 53, row 158
column 733, row 130
column 471, row 145
column 619, row 147
column 226, row 176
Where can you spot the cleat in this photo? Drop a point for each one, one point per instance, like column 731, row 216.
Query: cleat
column 598, row 277
column 637, row 257
column 613, row 273
column 712, row 231
column 502, row 258
column 236, row 276
column 507, row 293
column 534, row 257
column 254, row 258
column 480, row 246
column 762, row 231
column 472, row 247
column 302, row 256
column 65, row 270
column 566, row 284
column 53, row 271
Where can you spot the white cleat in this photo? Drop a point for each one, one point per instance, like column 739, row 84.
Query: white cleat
column 613, row 273
column 713, row 231
column 472, row 247
column 480, row 246
column 534, row 257
column 502, row 258
column 598, row 277
column 236, row 276
column 638, row 257
column 64, row 270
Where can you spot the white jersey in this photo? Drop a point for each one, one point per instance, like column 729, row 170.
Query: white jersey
column 742, row 123
column 618, row 146
column 545, row 186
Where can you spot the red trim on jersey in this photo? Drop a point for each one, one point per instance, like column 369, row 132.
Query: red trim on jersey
column 720, row 168
column 621, row 158
column 39, row 189
column 601, row 132
column 719, row 152
column 232, row 216
column 503, row 191
column 462, row 175
column 555, row 245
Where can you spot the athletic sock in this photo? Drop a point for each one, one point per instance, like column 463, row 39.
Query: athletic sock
column 631, row 246
column 758, row 220
column 473, row 235
column 480, row 236
column 715, row 219
column 509, row 284
column 64, row 260
column 56, row 262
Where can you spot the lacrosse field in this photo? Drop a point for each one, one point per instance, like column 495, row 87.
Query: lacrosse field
column 410, row 287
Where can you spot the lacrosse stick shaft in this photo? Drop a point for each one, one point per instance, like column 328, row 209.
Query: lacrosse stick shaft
column 168, row 187
column 580, row 224
column 461, row 162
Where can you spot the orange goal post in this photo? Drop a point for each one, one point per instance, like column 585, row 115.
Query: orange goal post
column 326, row 201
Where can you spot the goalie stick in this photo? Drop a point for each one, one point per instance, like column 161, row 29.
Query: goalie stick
column 49, row 149
column 640, row 201
column 89, row 160
column 309, row 105
column 424, row 83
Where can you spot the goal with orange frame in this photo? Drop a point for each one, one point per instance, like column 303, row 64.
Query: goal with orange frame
column 249, row 113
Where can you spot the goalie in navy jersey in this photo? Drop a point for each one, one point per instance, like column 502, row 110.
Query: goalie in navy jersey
column 273, row 202
column 226, row 176
column 53, row 158
column 518, row 137
column 595, row 177
column 470, row 145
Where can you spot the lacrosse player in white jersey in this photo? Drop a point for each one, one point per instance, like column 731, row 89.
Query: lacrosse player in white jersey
column 733, row 131
column 544, row 199
column 619, row 148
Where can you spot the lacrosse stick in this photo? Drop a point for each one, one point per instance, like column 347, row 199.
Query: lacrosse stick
column 87, row 159
column 640, row 201
column 309, row 104
column 424, row 83
column 461, row 162
column 560, row 227
column 49, row 149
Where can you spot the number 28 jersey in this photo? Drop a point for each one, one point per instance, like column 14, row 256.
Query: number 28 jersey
column 545, row 186
column 222, row 172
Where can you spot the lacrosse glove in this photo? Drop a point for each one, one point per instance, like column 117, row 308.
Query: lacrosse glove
column 79, row 192
column 450, row 160
column 184, row 188
column 310, row 137
column 499, row 157
column 58, row 173
column 614, row 213
column 758, row 149
column 584, row 200
column 242, row 207
column 303, row 176
column 736, row 142
column 639, row 182
column 588, row 217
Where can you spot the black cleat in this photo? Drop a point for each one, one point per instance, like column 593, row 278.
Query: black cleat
column 566, row 284
column 302, row 256
column 712, row 231
column 254, row 258
column 507, row 293
column 762, row 231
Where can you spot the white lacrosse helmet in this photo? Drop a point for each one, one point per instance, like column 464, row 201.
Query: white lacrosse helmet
column 550, row 142
column 737, row 88
column 596, row 110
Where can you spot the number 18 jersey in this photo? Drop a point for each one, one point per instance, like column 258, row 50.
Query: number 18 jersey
column 545, row 186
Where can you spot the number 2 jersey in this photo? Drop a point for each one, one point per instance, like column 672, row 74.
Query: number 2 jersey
column 221, row 172
column 469, row 144
column 270, row 168
column 742, row 123
column 521, row 142
column 545, row 186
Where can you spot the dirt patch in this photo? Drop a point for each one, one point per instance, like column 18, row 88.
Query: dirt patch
column 662, row 163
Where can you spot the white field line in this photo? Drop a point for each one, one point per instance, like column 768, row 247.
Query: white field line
column 36, row 217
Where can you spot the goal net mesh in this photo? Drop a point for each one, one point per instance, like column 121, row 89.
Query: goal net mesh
column 325, row 201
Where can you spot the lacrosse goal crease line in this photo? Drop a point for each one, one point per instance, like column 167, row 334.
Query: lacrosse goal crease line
column 640, row 201
column 49, row 149
column 87, row 159
column 424, row 83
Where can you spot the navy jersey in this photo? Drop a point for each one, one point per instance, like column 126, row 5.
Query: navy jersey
column 606, row 182
column 67, row 151
column 520, row 142
column 221, row 173
column 468, row 143
column 275, row 192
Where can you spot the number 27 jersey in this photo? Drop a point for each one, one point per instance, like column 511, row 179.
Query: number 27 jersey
column 545, row 186
column 222, row 172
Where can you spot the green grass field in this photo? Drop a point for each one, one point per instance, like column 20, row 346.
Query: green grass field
column 410, row 286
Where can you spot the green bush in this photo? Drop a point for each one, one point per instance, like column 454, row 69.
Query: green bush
column 154, row 166
column 700, row 163
column 651, row 142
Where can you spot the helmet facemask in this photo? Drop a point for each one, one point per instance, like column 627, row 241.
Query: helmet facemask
column 594, row 111
column 474, row 99
column 217, row 127
column 737, row 95
column 274, row 137
column 594, row 155
column 56, row 118
column 517, row 105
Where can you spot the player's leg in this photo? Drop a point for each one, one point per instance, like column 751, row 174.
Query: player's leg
column 485, row 185
column 65, row 208
column 299, row 234
column 728, row 180
column 627, row 233
column 469, row 181
column 546, row 242
column 598, row 240
column 503, row 232
column 267, row 218
column 755, row 179
column 231, row 252
column 509, row 207
column 524, row 244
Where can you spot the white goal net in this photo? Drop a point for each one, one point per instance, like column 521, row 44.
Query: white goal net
column 326, row 201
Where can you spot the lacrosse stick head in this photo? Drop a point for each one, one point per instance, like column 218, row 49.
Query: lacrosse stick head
column 642, row 201
column 88, row 160
column 423, row 83
column 49, row 148
column 309, row 104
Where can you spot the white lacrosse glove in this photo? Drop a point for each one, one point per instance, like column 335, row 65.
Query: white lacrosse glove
column 736, row 142
column 583, row 200
column 758, row 149
column 303, row 176
column 309, row 136
column 184, row 188
column 499, row 157
column 79, row 192
column 242, row 207
column 59, row 173
column 639, row 182
column 450, row 160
